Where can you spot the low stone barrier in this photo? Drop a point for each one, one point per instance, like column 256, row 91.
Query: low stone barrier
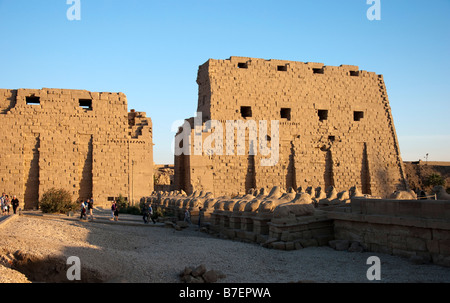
column 278, row 219
column 415, row 229
column 402, row 225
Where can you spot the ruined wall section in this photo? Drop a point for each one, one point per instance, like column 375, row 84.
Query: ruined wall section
column 140, row 156
column 336, row 127
column 71, row 139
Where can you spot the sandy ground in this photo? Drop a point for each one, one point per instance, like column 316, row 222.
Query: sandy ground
column 147, row 253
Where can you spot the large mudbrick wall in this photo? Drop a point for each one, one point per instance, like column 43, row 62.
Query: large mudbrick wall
column 85, row 142
column 335, row 128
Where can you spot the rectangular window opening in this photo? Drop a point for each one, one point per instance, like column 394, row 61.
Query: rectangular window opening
column 286, row 113
column 85, row 103
column 246, row 111
column 282, row 68
column 318, row 70
column 357, row 116
column 242, row 65
column 354, row 73
column 33, row 100
column 323, row 114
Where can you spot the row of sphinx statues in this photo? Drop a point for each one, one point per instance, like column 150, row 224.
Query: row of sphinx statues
column 277, row 202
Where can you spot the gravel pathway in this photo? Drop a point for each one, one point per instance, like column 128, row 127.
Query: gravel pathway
column 147, row 253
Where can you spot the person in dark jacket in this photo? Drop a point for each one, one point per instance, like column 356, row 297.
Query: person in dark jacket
column 116, row 213
column 15, row 203
column 145, row 214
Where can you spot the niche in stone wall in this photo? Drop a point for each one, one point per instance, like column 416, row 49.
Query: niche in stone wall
column 85, row 104
column 33, row 100
column 242, row 65
column 328, row 171
column 318, row 70
column 250, row 176
column 246, row 111
column 323, row 114
column 85, row 166
column 358, row 115
column 291, row 180
column 365, row 172
column 31, row 157
column 285, row 113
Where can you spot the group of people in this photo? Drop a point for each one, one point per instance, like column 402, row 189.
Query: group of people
column 6, row 204
column 115, row 211
column 147, row 212
column 87, row 207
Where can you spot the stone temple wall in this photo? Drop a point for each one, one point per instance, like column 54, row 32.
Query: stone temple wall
column 336, row 128
column 73, row 139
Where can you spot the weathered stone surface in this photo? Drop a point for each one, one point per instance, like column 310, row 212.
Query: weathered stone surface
column 293, row 209
column 441, row 193
column 290, row 246
column 314, row 130
column 308, row 242
column 187, row 271
column 416, row 229
column 355, row 247
column 340, row 245
column 200, row 275
column 298, row 245
column 199, row 270
column 85, row 142
column 210, row 276
column 278, row 245
column 269, row 242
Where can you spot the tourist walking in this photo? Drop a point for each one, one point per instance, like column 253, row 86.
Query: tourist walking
column 200, row 217
column 2, row 202
column 83, row 210
column 145, row 214
column 187, row 216
column 116, row 212
column 90, row 208
column 4, row 205
column 113, row 209
column 150, row 214
column 15, row 203
column 7, row 204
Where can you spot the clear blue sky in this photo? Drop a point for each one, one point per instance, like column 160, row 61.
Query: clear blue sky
column 151, row 50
